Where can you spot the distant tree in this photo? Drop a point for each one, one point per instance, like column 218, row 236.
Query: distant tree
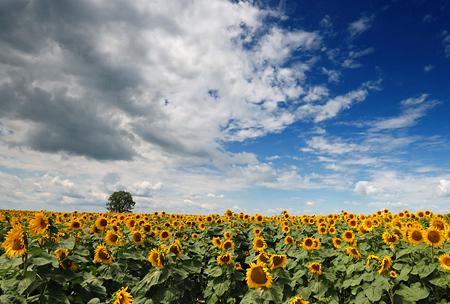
column 120, row 201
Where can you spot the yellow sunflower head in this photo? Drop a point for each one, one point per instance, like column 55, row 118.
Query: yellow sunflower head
column 337, row 242
column 175, row 248
column 103, row 255
column 217, row 242
column 258, row 276
column 225, row 259
column 112, row 238
column 298, row 300
column 164, row 235
column 414, row 236
column 289, row 240
column 101, row 222
column 433, row 237
column 353, row 252
column 123, row 297
column 308, row 243
column 15, row 243
column 277, row 261
column 371, row 258
column 228, row 245
column 315, row 268
column 138, row 237
column 38, row 224
column 386, row 263
column 259, row 244
column 444, row 261
column 155, row 258
column 393, row 274
column 348, row 236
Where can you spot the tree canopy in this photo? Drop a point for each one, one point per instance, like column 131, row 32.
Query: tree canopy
column 120, row 201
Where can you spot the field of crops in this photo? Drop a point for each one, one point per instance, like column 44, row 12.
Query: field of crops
column 50, row 257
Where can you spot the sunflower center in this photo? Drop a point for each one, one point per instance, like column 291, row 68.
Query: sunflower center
column 17, row 244
column 315, row 267
column 277, row 260
column 113, row 238
column 434, row 237
column 308, row 242
column 227, row 245
column 416, row 236
column 446, row 261
column 137, row 237
column 103, row 222
column 259, row 243
column 76, row 225
column 258, row 275
column 103, row 255
column 225, row 258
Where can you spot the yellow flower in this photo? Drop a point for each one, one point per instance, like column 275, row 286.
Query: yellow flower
column 164, row 235
column 315, row 268
column 259, row 244
column 289, row 240
column 138, row 237
column 348, row 236
column 444, row 260
column 433, row 237
column 386, row 263
column 337, row 243
column 308, row 243
column 237, row 266
column 415, row 236
column 353, row 251
column 61, row 255
column 258, row 276
column 112, row 238
column 277, row 261
column 225, row 259
column 390, row 239
column 175, row 248
column 39, row 223
column 263, row 258
column 371, row 258
column 217, row 242
column 155, row 258
column 227, row 245
column 103, row 255
column 123, row 297
column 227, row 235
column 101, row 222
column 393, row 274
column 298, row 300
column 15, row 243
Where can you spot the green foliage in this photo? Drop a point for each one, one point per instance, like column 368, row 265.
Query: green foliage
column 120, row 202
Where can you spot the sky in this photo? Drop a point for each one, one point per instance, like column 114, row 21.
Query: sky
column 206, row 105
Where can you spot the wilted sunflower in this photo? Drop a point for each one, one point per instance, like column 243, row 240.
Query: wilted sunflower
column 353, row 251
column 15, row 243
column 386, row 263
column 259, row 244
column 175, row 248
column 103, row 255
column 337, row 243
column 433, row 237
column 39, row 223
column 225, row 259
column 112, row 238
column 164, row 235
column 371, row 258
column 123, row 297
column 277, row 261
column 155, row 258
column 298, row 300
column 263, row 258
column 258, row 276
column 228, row 245
column 414, row 236
column 444, row 260
column 315, row 268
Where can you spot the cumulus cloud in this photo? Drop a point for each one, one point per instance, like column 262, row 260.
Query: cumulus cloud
column 360, row 25
column 443, row 188
column 365, row 188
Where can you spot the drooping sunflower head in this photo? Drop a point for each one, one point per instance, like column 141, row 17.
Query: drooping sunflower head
column 61, row 254
column 123, row 297
column 15, row 243
column 353, row 252
column 371, row 258
column 390, row 239
column 277, row 261
column 258, row 276
column 444, row 261
column 155, row 258
column 259, row 244
column 175, row 248
column 225, row 259
column 103, row 255
column 433, row 237
column 386, row 263
column 39, row 223
column 315, row 268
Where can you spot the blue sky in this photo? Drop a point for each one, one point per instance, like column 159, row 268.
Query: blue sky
column 197, row 107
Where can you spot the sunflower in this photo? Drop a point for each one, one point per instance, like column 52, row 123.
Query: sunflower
column 259, row 244
column 61, row 255
column 257, row 231
column 371, row 258
column 112, row 238
column 289, row 240
column 15, row 243
column 414, row 236
column 258, row 276
column 332, row 230
column 368, row 225
column 75, row 224
column 263, row 258
column 217, row 242
column 393, row 274
column 194, row 236
column 348, row 236
column 175, row 248
column 103, row 255
column 337, row 242
column 298, row 300
column 308, row 243
column 227, row 245
column 277, row 261
column 437, row 223
column 39, row 223
column 315, row 268
column 101, row 223
column 353, row 251
column 155, row 258
column 123, row 297
column 225, row 259
column 164, row 235
column 390, row 239
column 227, row 235
column 237, row 266
column 433, row 237
column 138, row 237
column 386, row 263
column 447, row 234
column 444, row 260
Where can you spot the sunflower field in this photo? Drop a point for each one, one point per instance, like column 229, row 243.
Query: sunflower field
column 54, row 257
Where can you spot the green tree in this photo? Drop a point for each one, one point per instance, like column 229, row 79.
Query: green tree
column 120, row 201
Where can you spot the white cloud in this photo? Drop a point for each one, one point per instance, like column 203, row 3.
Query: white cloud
column 333, row 75
column 443, row 188
column 365, row 188
column 321, row 144
column 316, row 93
column 446, row 42
column 361, row 25
column 428, row 68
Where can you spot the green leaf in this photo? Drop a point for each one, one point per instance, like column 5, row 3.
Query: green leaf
column 28, row 279
column 415, row 292
column 215, row 271
column 374, row 294
column 222, row 287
